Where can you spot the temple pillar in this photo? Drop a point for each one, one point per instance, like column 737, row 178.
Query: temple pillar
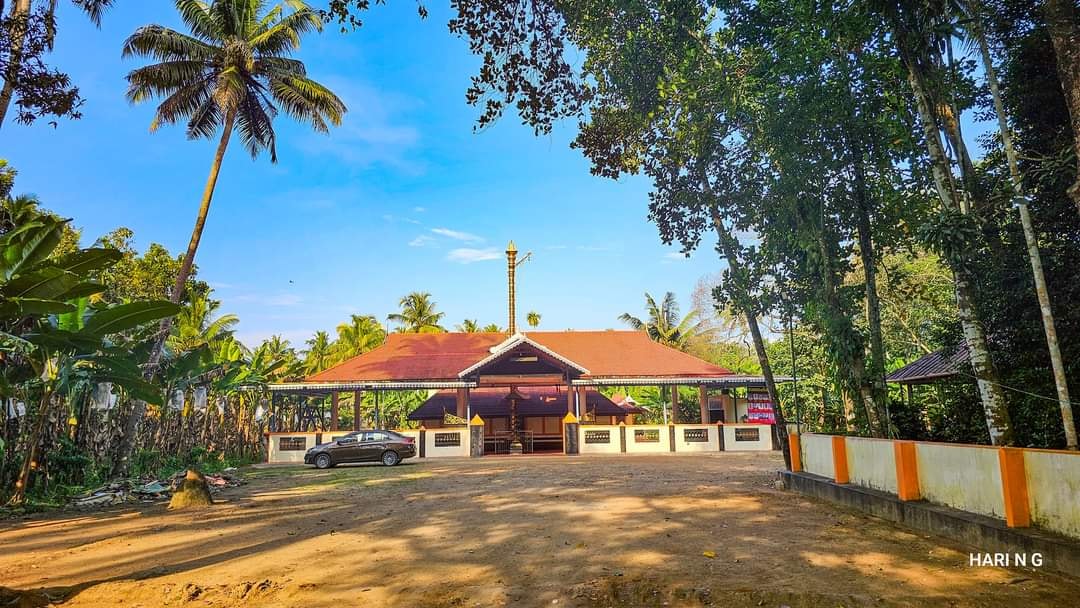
column 582, row 396
column 674, row 404
column 462, row 402
column 335, row 406
column 569, row 398
column 358, row 396
column 703, row 402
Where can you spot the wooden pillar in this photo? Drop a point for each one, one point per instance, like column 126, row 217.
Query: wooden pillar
column 703, row 402
column 462, row 402
column 569, row 398
column 674, row 404
column 583, row 408
column 334, row 410
column 358, row 396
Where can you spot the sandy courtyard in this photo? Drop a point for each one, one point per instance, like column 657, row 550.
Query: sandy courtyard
column 536, row 531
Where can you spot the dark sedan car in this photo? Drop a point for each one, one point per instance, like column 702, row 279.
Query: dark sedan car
column 375, row 445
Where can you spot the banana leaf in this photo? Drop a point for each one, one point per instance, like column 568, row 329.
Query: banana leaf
column 87, row 260
column 127, row 316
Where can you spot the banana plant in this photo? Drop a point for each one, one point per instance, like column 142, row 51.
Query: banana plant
column 48, row 325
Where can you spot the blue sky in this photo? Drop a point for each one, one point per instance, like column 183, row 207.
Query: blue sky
column 403, row 197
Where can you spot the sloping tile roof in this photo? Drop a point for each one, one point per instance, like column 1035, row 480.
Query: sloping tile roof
column 538, row 401
column 606, row 354
column 937, row 365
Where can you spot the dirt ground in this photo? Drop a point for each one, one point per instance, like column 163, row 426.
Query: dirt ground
column 528, row 531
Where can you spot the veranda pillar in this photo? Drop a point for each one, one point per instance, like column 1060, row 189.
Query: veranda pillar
column 463, row 402
column 335, row 406
column 358, row 396
column 583, row 408
column 703, row 403
column 674, row 404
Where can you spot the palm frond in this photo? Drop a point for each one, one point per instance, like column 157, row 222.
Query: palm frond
column 162, row 79
column 166, row 44
column 94, row 9
column 197, row 17
column 284, row 36
column 307, row 101
column 254, row 122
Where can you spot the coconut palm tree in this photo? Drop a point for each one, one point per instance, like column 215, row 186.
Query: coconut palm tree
column 197, row 327
column 361, row 334
column 665, row 326
column 319, row 353
column 533, row 319
column 492, row 328
column 468, row 326
column 232, row 73
column 418, row 315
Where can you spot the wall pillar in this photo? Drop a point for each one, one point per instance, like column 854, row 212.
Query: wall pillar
column 476, row 436
column 703, row 402
column 622, row 437
column 422, row 449
column 462, row 402
column 358, row 397
column 582, row 401
column 570, row 434
column 795, row 447
column 907, row 471
column 674, row 404
column 335, row 406
column 839, row 458
column 1014, row 487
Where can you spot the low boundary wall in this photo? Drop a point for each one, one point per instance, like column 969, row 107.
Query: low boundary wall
column 591, row 439
column 1017, row 486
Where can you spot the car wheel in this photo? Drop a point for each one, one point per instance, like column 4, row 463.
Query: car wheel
column 390, row 458
column 322, row 461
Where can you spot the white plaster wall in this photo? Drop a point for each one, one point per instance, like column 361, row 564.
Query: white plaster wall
column 817, row 455
column 430, row 451
column 611, row 447
column 664, row 445
column 764, row 442
column 274, row 455
column 713, row 436
column 872, row 463
column 962, row 477
column 1054, row 490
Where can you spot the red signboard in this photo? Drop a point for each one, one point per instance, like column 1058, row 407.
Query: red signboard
column 759, row 408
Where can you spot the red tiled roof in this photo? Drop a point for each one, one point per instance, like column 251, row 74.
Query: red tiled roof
column 624, row 354
column 441, row 357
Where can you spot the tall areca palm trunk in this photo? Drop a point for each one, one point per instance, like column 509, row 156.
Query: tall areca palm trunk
column 728, row 245
column 1058, row 367
column 19, row 25
column 993, row 398
column 138, row 411
column 1061, row 16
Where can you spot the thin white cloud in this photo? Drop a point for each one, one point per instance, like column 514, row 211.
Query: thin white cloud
column 393, row 218
column 467, row 255
column 421, row 241
column 674, row 255
column 419, row 209
column 457, row 235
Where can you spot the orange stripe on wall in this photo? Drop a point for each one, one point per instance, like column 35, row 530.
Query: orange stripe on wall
column 907, row 471
column 1014, row 487
column 839, row 456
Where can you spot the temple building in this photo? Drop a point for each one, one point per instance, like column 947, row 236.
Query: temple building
column 523, row 387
